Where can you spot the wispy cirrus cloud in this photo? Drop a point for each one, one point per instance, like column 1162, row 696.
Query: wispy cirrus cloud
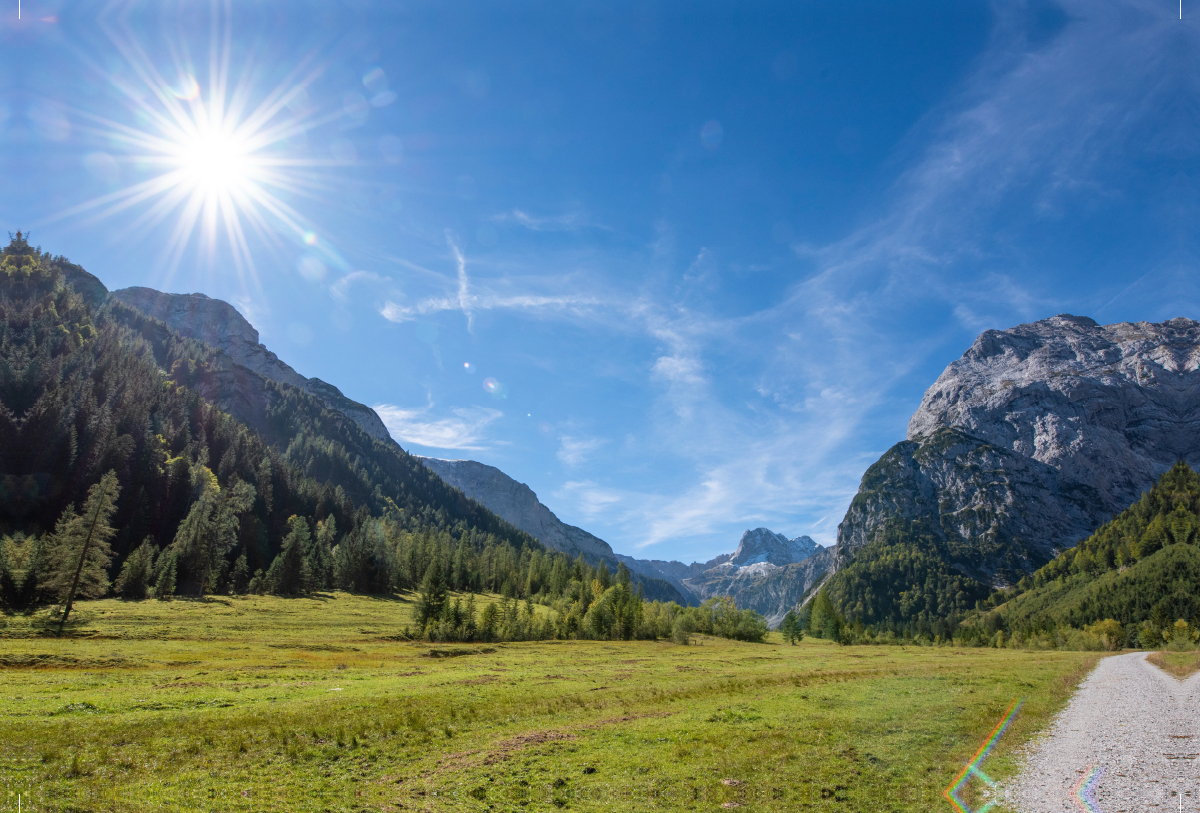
column 770, row 416
column 573, row 450
column 465, row 427
column 1029, row 134
column 572, row 220
column 340, row 289
column 469, row 297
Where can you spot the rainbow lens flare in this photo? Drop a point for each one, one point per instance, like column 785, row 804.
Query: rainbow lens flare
column 972, row 768
column 1084, row 794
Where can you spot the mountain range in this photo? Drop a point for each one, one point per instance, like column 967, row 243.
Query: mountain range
column 1027, row 444
column 759, row 551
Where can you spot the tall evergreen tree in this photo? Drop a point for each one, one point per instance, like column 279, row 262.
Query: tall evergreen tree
column 134, row 582
column 210, row 529
column 291, row 573
column 433, row 594
column 80, row 549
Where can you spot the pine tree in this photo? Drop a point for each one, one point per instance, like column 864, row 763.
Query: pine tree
column 80, row 552
column 291, row 572
column 134, row 581
column 164, row 585
column 433, row 594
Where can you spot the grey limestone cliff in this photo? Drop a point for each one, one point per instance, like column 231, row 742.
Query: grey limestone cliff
column 219, row 324
column 1032, row 439
column 768, row 572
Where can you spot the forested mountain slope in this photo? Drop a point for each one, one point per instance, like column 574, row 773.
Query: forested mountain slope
column 89, row 386
column 518, row 504
column 1141, row 568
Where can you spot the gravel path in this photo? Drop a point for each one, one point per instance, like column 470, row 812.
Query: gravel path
column 1129, row 735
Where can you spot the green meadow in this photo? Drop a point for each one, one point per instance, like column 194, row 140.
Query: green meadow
column 313, row 704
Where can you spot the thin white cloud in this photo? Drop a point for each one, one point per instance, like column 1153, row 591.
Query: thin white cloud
column 465, row 430
column 1030, row 131
column 340, row 290
column 573, row 451
column 760, row 417
column 573, row 220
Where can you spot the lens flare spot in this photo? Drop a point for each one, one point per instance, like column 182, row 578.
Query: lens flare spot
column 467, row 366
column 310, row 238
column 711, row 134
column 494, row 387
column 311, row 269
column 187, row 89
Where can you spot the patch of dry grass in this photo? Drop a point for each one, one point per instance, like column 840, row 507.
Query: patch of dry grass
column 1178, row 664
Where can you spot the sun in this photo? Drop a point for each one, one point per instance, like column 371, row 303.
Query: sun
column 217, row 154
column 217, row 161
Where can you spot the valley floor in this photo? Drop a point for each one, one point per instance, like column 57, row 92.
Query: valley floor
column 269, row 704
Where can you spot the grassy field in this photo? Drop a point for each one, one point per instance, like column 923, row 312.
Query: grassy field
column 265, row 704
column 1178, row 664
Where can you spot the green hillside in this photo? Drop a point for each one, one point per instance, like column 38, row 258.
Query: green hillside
column 902, row 584
column 216, row 471
column 1141, row 569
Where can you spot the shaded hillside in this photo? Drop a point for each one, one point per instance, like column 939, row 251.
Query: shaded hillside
column 1142, row 567
column 518, row 504
column 88, row 386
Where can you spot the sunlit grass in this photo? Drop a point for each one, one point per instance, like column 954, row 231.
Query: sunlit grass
column 310, row 704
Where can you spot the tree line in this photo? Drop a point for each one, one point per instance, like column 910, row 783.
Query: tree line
column 113, row 423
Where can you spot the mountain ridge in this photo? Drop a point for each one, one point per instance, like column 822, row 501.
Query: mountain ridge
column 220, row 325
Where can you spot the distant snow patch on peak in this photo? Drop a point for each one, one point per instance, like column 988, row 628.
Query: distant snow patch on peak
column 761, row 545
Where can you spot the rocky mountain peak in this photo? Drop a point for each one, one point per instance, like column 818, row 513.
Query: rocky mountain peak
column 763, row 545
column 1034, row 437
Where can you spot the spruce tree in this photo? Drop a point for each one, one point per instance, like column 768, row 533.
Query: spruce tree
column 134, row 580
column 790, row 629
column 291, row 572
column 164, row 585
column 210, row 529
column 321, row 553
column 240, row 577
column 433, row 594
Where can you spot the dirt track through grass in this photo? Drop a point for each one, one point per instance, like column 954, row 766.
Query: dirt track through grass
column 310, row 704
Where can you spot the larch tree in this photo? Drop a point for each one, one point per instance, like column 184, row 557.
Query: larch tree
column 80, row 550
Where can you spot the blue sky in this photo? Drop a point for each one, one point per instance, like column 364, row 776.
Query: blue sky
column 684, row 269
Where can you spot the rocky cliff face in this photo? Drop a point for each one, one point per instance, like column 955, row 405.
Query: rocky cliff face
column 768, row 572
column 218, row 323
column 1035, row 437
column 769, row 589
column 762, row 545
